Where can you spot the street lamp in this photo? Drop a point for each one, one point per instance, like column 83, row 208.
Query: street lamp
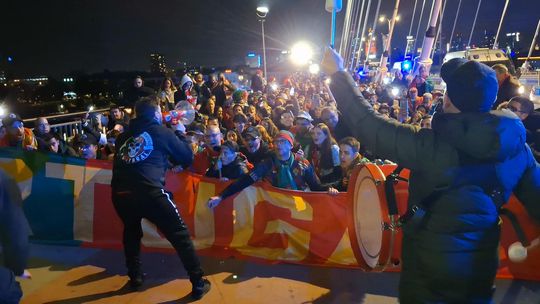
column 262, row 11
column 301, row 53
column 383, row 18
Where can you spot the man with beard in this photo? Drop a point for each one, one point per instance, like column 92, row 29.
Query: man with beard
column 462, row 171
column 208, row 157
column 302, row 127
column 255, row 149
column 135, row 92
column 202, row 89
column 17, row 135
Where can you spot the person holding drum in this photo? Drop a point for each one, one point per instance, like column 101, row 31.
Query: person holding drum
column 462, row 171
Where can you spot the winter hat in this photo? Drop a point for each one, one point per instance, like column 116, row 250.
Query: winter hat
column 286, row 135
column 10, row 119
column 186, row 82
column 237, row 96
column 472, row 86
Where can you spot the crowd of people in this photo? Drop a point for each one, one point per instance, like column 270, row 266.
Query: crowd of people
column 235, row 129
column 290, row 134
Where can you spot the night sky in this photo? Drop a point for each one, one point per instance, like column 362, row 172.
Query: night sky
column 56, row 37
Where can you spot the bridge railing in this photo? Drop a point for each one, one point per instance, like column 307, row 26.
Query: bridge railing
column 69, row 124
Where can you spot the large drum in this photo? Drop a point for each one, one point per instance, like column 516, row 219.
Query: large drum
column 375, row 236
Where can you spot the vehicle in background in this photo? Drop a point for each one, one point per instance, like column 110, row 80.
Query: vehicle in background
column 489, row 57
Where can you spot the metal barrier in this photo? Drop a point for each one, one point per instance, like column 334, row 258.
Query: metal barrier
column 69, row 128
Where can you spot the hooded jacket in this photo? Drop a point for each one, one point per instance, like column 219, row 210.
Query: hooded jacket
column 473, row 161
column 234, row 170
column 144, row 152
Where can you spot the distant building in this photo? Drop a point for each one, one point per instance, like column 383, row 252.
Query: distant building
column 513, row 42
column 157, row 63
column 3, row 77
column 457, row 43
column 253, row 60
column 488, row 40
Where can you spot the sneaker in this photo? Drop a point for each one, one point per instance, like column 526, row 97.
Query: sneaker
column 136, row 278
column 200, row 289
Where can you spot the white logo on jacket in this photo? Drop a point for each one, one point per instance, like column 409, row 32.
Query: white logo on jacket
column 136, row 149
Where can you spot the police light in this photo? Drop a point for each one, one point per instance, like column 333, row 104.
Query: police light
column 2, row 110
column 406, row 66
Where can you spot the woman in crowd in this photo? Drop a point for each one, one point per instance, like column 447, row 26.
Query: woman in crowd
column 324, row 155
column 166, row 94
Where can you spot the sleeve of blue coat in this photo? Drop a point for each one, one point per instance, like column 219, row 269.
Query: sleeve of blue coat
column 407, row 145
column 528, row 189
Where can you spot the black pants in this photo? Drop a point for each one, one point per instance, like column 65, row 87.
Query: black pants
column 157, row 206
column 10, row 290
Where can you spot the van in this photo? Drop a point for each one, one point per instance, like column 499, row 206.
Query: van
column 486, row 56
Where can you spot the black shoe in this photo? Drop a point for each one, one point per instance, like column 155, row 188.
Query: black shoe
column 136, row 278
column 200, row 289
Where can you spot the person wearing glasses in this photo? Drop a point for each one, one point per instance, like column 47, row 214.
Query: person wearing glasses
column 208, row 157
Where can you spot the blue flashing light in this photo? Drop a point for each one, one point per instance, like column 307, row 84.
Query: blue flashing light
column 10, row 59
column 406, row 66
column 251, row 54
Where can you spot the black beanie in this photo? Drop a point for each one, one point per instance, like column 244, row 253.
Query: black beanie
column 472, row 86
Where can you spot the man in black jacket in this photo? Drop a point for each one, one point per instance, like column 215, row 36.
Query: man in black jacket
column 135, row 92
column 142, row 158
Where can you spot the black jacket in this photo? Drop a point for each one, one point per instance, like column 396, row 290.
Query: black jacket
column 133, row 94
column 234, row 170
column 259, row 155
column 144, row 152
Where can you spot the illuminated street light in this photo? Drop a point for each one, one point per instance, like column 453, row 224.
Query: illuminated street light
column 262, row 11
column 301, row 53
column 314, row 68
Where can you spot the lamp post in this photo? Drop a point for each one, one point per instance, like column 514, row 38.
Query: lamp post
column 384, row 57
column 391, row 23
column 262, row 11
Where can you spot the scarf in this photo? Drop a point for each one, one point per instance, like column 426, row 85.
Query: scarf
column 285, row 179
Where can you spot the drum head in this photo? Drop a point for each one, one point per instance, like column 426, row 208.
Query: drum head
column 367, row 215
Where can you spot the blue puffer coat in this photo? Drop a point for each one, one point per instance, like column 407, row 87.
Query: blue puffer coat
column 462, row 171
